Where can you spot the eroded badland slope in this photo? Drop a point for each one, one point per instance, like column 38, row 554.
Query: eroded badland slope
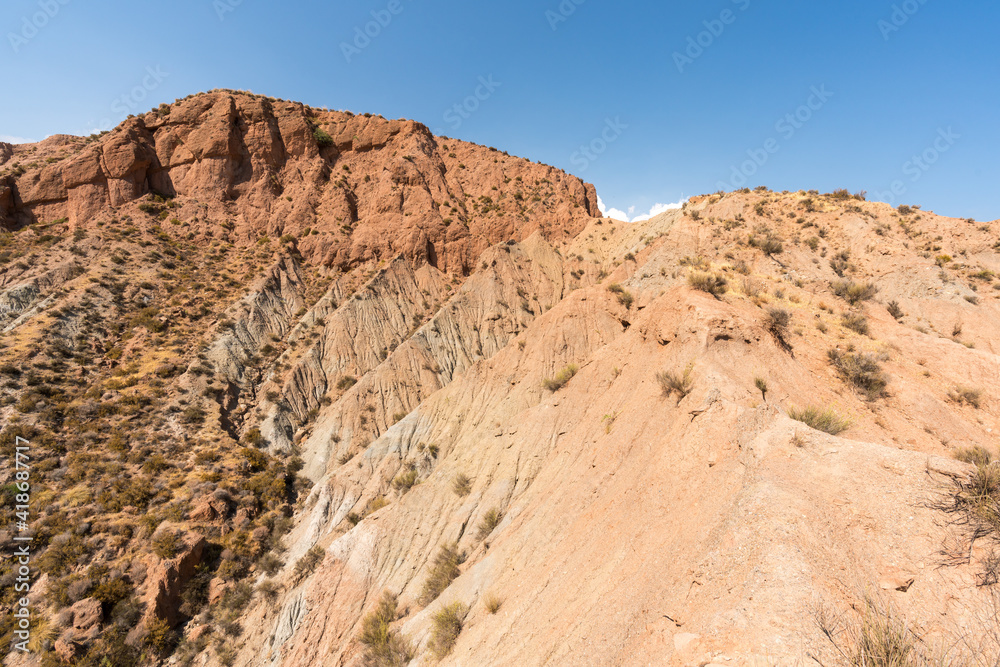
column 310, row 388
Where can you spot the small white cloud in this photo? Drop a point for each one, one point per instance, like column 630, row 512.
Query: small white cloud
column 618, row 214
column 658, row 209
column 7, row 139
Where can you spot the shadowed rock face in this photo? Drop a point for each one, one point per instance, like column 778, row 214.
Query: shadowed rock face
column 321, row 376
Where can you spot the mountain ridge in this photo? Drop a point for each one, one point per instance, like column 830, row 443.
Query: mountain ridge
column 532, row 434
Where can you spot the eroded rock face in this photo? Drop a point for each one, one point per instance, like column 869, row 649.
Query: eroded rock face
column 371, row 188
column 428, row 329
column 167, row 579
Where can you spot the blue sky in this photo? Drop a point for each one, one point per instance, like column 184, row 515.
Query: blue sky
column 651, row 102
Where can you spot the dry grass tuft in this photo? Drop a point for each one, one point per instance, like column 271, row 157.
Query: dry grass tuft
column 681, row 383
column 976, row 455
column 967, row 395
column 561, row 378
column 492, row 603
column 461, row 485
column 821, row 419
column 489, row 522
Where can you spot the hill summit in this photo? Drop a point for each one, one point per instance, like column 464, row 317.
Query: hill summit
column 305, row 387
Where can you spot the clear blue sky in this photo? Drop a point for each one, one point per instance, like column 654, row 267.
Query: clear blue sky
column 928, row 88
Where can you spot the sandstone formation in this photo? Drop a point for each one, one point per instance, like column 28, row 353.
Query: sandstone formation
column 337, row 357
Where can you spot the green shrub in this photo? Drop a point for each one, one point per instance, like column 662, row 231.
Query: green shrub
column 322, row 138
column 443, row 571
column 711, row 283
column 561, row 378
column 165, row 544
column 447, row 626
column 862, row 370
column 821, row 419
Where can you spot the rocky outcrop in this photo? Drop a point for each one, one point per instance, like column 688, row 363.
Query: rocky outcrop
column 165, row 582
column 353, row 188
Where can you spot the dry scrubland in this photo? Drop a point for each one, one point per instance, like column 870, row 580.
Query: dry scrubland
column 304, row 387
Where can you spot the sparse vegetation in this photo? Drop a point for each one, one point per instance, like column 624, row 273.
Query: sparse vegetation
column 309, row 562
column 767, row 243
column 776, row 321
column 712, row 283
column 895, row 310
column 856, row 322
column 976, row 455
column 447, row 625
column 444, row 570
column 624, row 298
column 967, row 395
column 821, row 419
column 384, row 647
column 852, row 292
column 405, row 481
column 488, row 524
column 679, row 383
column 492, row 603
column 877, row 637
column 761, row 385
column 862, row 370
column 461, row 485
column 562, row 377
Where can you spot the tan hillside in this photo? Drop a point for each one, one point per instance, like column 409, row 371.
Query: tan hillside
column 308, row 388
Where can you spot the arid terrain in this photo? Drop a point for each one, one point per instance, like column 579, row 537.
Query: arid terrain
column 304, row 387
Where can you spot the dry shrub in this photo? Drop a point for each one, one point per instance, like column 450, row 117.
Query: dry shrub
column 711, row 283
column 561, row 378
column 384, row 647
column 443, row 572
column 681, row 383
column 489, row 522
column 862, row 370
column 852, row 292
column 967, row 395
column 447, row 626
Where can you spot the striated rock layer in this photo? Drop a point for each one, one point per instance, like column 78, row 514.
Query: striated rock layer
column 276, row 362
